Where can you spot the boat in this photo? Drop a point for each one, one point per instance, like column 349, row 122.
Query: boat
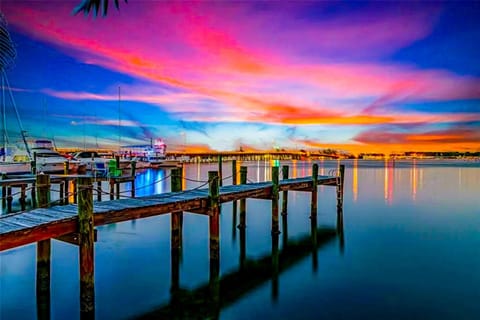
column 151, row 155
column 48, row 160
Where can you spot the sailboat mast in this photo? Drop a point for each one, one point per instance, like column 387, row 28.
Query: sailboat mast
column 4, row 122
column 22, row 131
column 119, row 122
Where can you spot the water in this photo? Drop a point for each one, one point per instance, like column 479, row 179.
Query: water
column 411, row 249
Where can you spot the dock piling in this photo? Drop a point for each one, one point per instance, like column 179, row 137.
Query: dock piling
column 275, row 190
column 43, row 254
column 86, row 247
column 214, row 227
column 313, row 207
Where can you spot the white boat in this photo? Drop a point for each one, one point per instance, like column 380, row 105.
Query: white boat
column 152, row 155
column 50, row 161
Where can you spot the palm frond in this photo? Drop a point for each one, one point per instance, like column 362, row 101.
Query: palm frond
column 94, row 6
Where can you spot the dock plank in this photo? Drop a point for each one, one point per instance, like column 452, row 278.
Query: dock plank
column 45, row 223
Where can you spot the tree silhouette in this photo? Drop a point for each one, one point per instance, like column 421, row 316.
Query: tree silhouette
column 94, row 6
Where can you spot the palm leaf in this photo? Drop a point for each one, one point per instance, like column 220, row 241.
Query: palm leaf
column 94, row 6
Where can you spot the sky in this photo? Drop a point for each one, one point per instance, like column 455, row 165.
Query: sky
column 222, row 75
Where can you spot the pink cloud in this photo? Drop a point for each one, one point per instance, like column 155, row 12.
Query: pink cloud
column 251, row 65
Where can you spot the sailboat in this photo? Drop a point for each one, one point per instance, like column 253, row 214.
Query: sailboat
column 10, row 162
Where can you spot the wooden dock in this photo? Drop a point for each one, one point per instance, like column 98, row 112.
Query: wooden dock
column 75, row 223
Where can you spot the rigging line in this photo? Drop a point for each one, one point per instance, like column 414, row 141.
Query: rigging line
column 17, row 114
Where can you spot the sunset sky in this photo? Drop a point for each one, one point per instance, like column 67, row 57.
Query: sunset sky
column 361, row 76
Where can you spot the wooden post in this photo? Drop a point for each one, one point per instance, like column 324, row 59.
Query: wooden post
column 43, row 190
column 243, row 217
column 176, row 185
column 275, row 188
column 285, row 192
column 33, row 164
column 313, row 206
column 9, row 199
column 243, row 180
column 23, row 197
column 4, row 191
column 61, row 193
column 43, row 253
column 112, row 187
column 234, row 172
column 117, row 188
column 33, row 194
column 175, row 234
column 214, row 224
column 220, row 175
column 86, row 247
column 99, row 190
column 117, row 162
column 66, row 167
column 340, row 181
column 340, row 233
column 234, row 203
column 284, row 208
column 65, row 197
column 75, row 196
column 133, row 166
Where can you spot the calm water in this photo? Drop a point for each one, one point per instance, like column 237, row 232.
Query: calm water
column 411, row 249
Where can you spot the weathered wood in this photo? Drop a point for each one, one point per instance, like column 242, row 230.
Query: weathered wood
column 86, row 247
column 176, row 218
column 9, row 199
column 220, row 175
column 67, row 192
column 133, row 166
column 112, row 187
column 214, row 180
column 117, row 190
column 214, row 223
column 340, row 229
column 43, row 279
column 243, row 180
column 4, row 191
column 75, row 191
column 99, row 190
column 313, row 205
column 23, row 197
column 285, row 192
column 18, row 229
column 43, row 253
column 234, row 172
column 61, row 193
column 275, row 188
column 66, row 167
column 340, row 182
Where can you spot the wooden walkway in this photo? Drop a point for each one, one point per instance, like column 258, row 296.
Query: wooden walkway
column 19, row 229
column 75, row 223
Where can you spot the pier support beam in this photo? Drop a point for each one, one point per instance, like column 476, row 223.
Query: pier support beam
column 284, row 208
column 43, row 254
column 242, row 225
column 220, row 175
column 214, row 223
column 275, row 190
column 86, row 247
column 340, row 180
column 176, row 220
column 234, row 203
column 313, row 207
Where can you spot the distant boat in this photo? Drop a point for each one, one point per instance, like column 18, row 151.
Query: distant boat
column 50, row 161
column 153, row 155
